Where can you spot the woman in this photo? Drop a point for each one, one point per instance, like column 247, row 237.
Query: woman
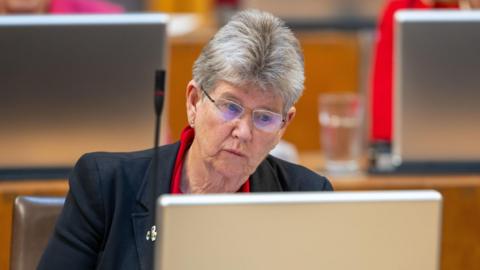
column 239, row 103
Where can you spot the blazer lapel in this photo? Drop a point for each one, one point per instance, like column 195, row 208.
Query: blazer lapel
column 142, row 219
column 265, row 179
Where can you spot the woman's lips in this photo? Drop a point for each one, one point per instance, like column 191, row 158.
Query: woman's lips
column 235, row 152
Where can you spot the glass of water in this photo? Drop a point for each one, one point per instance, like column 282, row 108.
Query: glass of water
column 341, row 136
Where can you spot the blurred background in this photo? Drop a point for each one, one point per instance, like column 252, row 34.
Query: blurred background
column 338, row 40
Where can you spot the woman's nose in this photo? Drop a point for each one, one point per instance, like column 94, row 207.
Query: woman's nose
column 243, row 128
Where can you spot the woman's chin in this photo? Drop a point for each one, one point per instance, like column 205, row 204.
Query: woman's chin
column 232, row 170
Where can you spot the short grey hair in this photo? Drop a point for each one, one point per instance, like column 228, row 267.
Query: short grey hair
column 253, row 48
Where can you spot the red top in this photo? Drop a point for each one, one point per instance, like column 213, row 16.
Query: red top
column 83, row 6
column 382, row 83
column 186, row 139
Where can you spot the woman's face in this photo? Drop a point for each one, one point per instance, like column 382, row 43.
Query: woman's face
column 233, row 148
column 23, row 6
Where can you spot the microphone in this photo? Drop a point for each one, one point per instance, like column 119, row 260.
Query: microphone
column 159, row 92
column 159, row 96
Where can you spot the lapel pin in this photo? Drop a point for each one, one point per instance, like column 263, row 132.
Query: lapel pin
column 152, row 234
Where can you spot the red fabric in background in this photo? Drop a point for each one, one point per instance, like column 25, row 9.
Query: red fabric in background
column 83, row 6
column 382, row 80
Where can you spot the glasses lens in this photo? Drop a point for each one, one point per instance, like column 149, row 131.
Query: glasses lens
column 262, row 119
column 267, row 120
column 229, row 110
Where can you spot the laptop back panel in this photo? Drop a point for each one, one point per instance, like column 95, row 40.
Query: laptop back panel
column 342, row 230
column 437, row 87
column 72, row 84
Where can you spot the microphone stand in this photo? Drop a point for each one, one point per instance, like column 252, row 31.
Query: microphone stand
column 159, row 100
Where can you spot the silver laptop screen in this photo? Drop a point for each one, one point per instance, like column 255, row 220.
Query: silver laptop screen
column 323, row 230
column 437, row 85
column 72, row 84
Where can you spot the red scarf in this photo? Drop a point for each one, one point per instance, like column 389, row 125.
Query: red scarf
column 186, row 139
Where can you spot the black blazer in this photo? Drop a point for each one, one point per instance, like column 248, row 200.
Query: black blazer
column 106, row 214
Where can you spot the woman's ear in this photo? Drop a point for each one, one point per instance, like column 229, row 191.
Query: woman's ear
column 192, row 97
column 288, row 119
column 290, row 115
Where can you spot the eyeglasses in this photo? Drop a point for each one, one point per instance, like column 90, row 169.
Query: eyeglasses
column 264, row 120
